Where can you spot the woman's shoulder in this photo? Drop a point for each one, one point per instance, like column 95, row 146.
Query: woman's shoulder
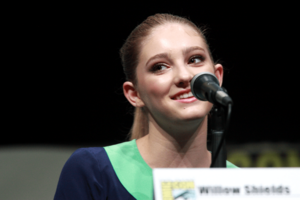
column 86, row 161
column 87, row 151
column 95, row 157
column 87, row 155
column 88, row 173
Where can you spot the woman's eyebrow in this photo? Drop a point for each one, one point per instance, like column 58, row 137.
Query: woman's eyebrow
column 161, row 55
column 188, row 50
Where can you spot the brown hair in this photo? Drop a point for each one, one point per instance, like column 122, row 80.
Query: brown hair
column 130, row 57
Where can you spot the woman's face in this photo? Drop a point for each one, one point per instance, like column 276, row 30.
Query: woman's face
column 169, row 59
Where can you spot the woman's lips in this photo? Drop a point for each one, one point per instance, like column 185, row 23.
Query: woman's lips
column 186, row 100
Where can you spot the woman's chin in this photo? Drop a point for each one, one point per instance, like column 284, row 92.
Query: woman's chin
column 194, row 114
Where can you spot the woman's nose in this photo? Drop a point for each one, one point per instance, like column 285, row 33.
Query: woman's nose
column 183, row 77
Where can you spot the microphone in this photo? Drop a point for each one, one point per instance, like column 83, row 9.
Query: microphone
column 205, row 87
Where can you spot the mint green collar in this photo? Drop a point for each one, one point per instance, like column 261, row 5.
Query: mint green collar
column 131, row 169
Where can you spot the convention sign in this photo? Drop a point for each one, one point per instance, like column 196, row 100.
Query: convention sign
column 222, row 183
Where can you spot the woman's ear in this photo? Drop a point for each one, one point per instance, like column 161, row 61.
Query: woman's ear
column 219, row 73
column 132, row 95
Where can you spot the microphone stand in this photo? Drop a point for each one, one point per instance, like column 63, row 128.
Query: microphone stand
column 205, row 86
column 217, row 131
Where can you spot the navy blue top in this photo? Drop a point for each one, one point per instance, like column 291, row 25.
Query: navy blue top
column 113, row 172
column 88, row 174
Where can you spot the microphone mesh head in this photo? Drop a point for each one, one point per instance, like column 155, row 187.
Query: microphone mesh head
column 198, row 79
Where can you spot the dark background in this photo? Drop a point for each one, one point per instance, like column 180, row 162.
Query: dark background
column 67, row 79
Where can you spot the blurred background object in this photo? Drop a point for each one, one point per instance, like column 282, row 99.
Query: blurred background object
column 264, row 155
column 31, row 172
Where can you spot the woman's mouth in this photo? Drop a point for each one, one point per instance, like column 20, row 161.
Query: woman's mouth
column 184, row 96
column 187, row 97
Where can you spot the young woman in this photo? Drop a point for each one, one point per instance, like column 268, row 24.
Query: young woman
column 160, row 57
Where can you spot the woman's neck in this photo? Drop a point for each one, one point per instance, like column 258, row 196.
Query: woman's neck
column 179, row 149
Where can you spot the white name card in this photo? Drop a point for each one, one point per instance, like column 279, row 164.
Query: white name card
column 222, row 183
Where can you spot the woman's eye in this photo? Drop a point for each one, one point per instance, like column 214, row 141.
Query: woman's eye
column 158, row 67
column 196, row 59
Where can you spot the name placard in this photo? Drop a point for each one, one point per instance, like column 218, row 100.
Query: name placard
column 222, row 183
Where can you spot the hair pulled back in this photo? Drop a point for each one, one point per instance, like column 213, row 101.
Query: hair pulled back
column 130, row 57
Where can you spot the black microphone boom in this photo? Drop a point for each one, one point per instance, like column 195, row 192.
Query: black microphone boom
column 205, row 86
